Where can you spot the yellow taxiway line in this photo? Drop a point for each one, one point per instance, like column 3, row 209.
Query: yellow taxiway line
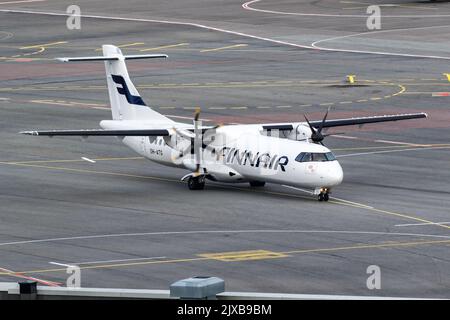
column 344, row 203
column 211, row 257
column 165, row 47
column 224, row 48
column 44, row 45
column 125, row 45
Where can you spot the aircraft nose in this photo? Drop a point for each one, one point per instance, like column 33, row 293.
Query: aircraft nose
column 335, row 174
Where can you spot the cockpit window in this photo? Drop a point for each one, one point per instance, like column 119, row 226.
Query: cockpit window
column 310, row 157
column 330, row 156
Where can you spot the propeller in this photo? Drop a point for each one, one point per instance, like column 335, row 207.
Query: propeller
column 197, row 139
column 316, row 134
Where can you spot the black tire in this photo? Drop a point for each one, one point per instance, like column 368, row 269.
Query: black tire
column 321, row 198
column 196, row 183
column 257, row 183
column 326, row 197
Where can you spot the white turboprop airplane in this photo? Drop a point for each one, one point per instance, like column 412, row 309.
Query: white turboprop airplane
column 282, row 153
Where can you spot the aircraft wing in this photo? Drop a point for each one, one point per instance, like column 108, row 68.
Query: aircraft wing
column 365, row 120
column 349, row 121
column 100, row 132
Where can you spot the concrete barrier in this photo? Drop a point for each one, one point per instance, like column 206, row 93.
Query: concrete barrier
column 11, row 291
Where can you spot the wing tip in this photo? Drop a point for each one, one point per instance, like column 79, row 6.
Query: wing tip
column 30, row 133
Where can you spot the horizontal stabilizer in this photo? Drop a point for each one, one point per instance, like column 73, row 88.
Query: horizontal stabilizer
column 113, row 58
column 100, row 132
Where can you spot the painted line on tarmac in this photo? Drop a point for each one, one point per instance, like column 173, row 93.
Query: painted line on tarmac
column 247, row 6
column 22, row 276
column 197, row 232
column 375, row 148
column 357, row 205
column 398, row 143
column 345, row 201
column 165, row 47
column 242, row 34
column 420, row 224
column 44, row 45
column 199, row 85
column 127, row 45
column 225, row 48
column 88, row 160
column 70, row 160
column 21, row 1
column 370, row 208
column 392, row 151
column 105, row 261
column 300, row 251
column 408, row 55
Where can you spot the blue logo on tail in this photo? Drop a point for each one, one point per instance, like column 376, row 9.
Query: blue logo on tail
column 126, row 92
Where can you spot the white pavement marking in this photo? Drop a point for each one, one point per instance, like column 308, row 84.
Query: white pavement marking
column 399, row 142
column 345, row 137
column 172, row 233
column 315, row 44
column 420, row 224
column 62, row 264
column 346, row 201
column 247, row 7
column 390, row 151
column 88, row 160
column 110, row 261
column 381, row 141
column 21, row 1
column 221, row 30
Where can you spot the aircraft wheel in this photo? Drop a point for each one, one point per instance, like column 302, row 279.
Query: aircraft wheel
column 321, row 197
column 196, row 183
column 326, row 197
column 257, row 183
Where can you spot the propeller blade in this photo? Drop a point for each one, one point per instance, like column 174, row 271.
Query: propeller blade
column 316, row 135
column 323, row 120
column 309, row 124
column 197, row 113
column 197, row 140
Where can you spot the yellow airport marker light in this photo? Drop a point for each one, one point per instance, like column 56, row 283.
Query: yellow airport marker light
column 447, row 75
column 351, row 78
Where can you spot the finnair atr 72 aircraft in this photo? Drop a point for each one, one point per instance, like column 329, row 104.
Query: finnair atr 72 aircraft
column 282, row 153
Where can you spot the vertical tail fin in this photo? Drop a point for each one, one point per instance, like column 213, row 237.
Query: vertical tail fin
column 126, row 103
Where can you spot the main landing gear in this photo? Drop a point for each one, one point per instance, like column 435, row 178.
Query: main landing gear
column 324, row 194
column 257, row 183
column 196, row 183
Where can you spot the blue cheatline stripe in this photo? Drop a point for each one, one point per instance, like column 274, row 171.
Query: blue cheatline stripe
column 126, row 92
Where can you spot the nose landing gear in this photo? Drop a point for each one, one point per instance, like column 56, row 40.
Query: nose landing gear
column 324, row 194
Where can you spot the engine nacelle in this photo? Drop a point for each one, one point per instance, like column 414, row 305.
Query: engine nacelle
column 300, row 132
